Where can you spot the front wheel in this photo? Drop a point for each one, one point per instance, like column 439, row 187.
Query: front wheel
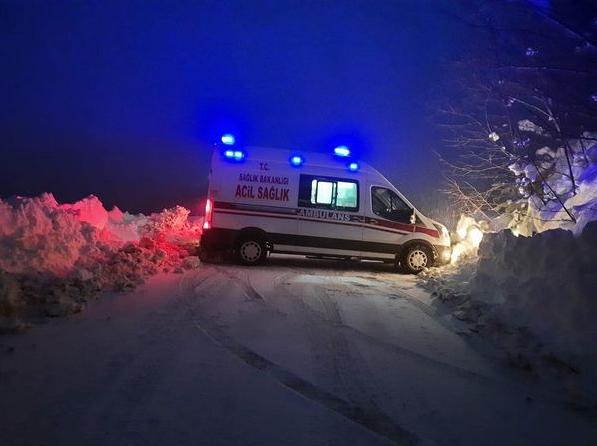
column 416, row 258
column 251, row 251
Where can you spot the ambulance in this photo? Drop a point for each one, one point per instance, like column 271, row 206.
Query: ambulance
column 263, row 201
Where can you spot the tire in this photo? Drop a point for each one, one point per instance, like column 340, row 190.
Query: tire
column 415, row 258
column 251, row 250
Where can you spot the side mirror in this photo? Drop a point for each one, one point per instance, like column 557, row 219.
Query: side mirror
column 413, row 218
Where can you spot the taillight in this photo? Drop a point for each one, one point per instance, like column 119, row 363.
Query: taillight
column 208, row 214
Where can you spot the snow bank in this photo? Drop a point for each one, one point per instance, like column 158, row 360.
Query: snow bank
column 532, row 299
column 37, row 235
column 546, row 283
column 53, row 256
column 530, row 291
column 469, row 233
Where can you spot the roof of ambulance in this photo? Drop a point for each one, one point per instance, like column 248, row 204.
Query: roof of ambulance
column 319, row 159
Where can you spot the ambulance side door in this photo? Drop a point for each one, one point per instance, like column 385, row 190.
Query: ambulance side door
column 329, row 214
column 387, row 220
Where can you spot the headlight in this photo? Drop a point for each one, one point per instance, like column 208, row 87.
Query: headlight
column 444, row 233
column 446, row 255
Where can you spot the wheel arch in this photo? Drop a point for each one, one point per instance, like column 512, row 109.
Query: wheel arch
column 251, row 231
column 416, row 241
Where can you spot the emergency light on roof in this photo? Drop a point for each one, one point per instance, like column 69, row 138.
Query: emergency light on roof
column 342, row 151
column 296, row 160
column 228, row 139
column 353, row 167
column 235, row 155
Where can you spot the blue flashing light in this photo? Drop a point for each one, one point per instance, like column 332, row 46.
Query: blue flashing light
column 234, row 155
column 342, row 151
column 353, row 167
column 296, row 160
column 228, row 139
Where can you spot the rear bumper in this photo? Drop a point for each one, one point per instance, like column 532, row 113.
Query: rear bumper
column 442, row 254
column 217, row 239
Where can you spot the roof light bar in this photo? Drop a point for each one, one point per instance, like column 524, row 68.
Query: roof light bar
column 228, row 139
column 296, row 160
column 353, row 167
column 235, row 155
column 342, row 151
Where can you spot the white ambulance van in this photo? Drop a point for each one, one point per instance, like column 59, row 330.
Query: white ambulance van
column 264, row 201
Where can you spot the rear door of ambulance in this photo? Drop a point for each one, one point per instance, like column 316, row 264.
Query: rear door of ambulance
column 257, row 193
column 330, row 213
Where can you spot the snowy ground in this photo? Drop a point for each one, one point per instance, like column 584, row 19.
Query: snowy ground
column 294, row 352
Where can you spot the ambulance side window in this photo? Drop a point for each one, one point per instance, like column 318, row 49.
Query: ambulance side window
column 328, row 193
column 347, row 195
column 386, row 204
column 322, row 192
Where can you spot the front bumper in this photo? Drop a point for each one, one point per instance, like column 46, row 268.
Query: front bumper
column 442, row 254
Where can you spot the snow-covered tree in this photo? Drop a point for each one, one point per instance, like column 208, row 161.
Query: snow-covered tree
column 515, row 110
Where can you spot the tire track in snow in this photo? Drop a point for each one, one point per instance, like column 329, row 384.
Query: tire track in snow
column 130, row 379
column 318, row 318
column 374, row 421
column 196, row 281
column 411, row 354
column 246, row 285
column 476, row 377
column 494, row 382
column 366, row 415
column 331, row 346
column 348, row 364
column 330, row 349
column 351, row 368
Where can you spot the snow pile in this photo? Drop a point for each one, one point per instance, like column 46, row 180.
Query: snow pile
column 37, row 235
column 530, row 290
column 469, row 234
column 450, row 285
column 53, row 256
column 546, row 283
column 172, row 225
column 532, row 299
column 113, row 225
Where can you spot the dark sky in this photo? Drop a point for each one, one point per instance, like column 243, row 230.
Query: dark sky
column 122, row 99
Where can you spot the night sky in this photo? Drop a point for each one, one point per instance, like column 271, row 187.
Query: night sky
column 124, row 99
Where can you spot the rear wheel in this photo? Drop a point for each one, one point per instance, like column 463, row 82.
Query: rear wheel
column 416, row 258
column 251, row 250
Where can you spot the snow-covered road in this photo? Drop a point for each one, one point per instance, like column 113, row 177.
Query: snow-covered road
column 295, row 352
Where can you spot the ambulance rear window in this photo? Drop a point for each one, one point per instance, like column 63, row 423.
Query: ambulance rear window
column 347, row 194
column 322, row 192
column 328, row 193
